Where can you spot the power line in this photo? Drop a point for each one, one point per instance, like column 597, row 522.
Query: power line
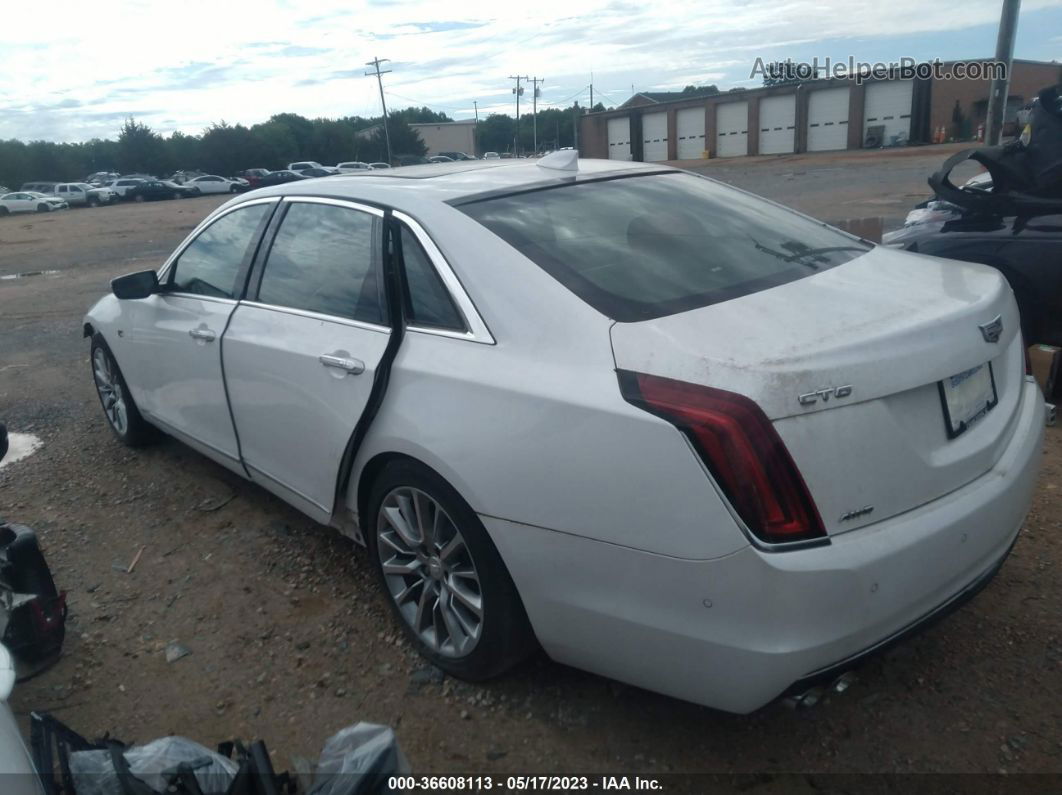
column 375, row 62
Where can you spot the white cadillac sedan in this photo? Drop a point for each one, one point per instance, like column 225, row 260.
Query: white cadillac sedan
column 212, row 183
column 673, row 433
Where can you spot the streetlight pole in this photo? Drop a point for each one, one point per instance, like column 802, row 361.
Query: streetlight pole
column 997, row 97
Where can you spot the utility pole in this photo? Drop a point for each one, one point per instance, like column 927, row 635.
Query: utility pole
column 475, row 130
column 534, row 110
column 575, row 126
column 997, row 97
column 591, row 92
column 375, row 62
column 518, row 91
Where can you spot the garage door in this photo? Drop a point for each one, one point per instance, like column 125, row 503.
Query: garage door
column 690, row 130
column 889, row 104
column 732, row 129
column 828, row 119
column 654, row 137
column 777, row 124
column 619, row 138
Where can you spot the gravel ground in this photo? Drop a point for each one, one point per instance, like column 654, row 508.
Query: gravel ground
column 290, row 640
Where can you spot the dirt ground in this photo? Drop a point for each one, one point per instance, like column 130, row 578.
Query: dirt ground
column 290, row 639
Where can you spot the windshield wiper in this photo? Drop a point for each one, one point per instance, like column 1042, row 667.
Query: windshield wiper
column 811, row 252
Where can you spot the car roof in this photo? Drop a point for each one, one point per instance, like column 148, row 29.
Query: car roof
column 408, row 186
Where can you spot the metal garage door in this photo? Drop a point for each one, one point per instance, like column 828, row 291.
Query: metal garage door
column 828, row 119
column 889, row 103
column 690, row 131
column 777, row 124
column 654, row 137
column 732, row 129
column 619, row 138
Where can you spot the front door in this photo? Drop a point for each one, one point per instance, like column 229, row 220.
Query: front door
column 174, row 344
column 300, row 356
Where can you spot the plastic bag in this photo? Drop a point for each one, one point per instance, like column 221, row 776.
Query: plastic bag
column 94, row 772
column 358, row 760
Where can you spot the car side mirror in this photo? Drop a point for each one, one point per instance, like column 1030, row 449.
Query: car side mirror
column 135, row 285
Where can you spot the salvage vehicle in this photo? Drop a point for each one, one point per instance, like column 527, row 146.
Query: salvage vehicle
column 30, row 202
column 212, row 183
column 279, row 178
column 674, row 433
column 155, row 190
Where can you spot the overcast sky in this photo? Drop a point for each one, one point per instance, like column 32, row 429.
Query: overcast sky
column 74, row 70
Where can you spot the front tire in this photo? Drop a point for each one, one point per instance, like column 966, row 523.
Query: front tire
column 139, row 197
column 442, row 576
column 121, row 412
column 44, row 208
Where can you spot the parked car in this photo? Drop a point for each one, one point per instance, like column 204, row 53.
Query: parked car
column 30, row 202
column 378, row 166
column 302, row 165
column 252, row 176
column 81, row 194
column 181, row 177
column 155, row 190
column 410, row 160
column 279, row 178
column 491, row 156
column 1025, row 250
column 101, row 177
column 212, row 183
column 352, row 166
column 687, row 502
column 457, row 155
column 440, row 159
column 121, row 186
column 319, row 172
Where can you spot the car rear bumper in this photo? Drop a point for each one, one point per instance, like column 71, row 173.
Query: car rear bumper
column 738, row 631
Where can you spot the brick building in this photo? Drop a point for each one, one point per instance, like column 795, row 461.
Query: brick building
column 818, row 115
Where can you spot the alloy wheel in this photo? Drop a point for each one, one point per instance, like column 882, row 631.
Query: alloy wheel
column 110, row 389
column 429, row 572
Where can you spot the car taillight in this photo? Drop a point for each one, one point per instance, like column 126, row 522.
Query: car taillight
column 741, row 449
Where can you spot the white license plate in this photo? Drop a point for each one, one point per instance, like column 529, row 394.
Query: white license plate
column 967, row 397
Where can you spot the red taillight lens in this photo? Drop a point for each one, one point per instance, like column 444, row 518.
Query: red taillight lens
column 740, row 448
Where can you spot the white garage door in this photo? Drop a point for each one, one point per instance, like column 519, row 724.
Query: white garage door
column 690, row 130
column 889, row 103
column 828, row 119
column 732, row 129
column 619, row 138
column 777, row 124
column 654, row 137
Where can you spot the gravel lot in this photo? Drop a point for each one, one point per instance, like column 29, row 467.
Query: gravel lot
column 290, row 639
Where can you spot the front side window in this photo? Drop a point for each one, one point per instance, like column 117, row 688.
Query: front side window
column 325, row 259
column 208, row 266
column 427, row 300
column 642, row 247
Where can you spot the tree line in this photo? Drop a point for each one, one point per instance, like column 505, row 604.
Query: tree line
column 227, row 149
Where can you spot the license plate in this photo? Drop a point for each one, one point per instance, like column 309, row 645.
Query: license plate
column 967, row 397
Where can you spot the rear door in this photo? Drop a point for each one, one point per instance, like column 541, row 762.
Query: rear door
column 302, row 352
column 172, row 355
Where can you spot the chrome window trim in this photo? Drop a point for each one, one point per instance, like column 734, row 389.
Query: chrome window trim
column 349, row 204
column 477, row 329
column 164, row 271
column 195, row 296
column 345, row 321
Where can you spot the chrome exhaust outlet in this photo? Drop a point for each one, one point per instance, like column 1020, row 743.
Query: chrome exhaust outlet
column 1050, row 418
column 809, row 698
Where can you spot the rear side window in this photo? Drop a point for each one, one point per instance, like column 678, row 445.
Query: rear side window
column 208, row 266
column 324, row 259
column 642, row 247
column 428, row 301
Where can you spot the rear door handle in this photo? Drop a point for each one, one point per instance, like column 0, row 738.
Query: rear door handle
column 202, row 333
column 352, row 366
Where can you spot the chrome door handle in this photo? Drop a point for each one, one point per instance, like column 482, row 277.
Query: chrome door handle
column 204, row 334
column 352, row 366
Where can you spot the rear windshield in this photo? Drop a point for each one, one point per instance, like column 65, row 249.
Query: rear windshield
column 642, row 247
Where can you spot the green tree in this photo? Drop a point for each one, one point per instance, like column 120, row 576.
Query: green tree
column 404, row 141
column 141, row 149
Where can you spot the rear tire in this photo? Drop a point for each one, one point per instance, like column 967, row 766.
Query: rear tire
column 4, row 211
column 452, row 584
column 120, row 410
column 139, row 197
column 44, row 208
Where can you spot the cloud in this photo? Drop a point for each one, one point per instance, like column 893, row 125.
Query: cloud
column 258, row 58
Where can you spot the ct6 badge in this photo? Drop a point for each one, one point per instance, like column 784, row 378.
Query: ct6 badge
column 824, row 394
